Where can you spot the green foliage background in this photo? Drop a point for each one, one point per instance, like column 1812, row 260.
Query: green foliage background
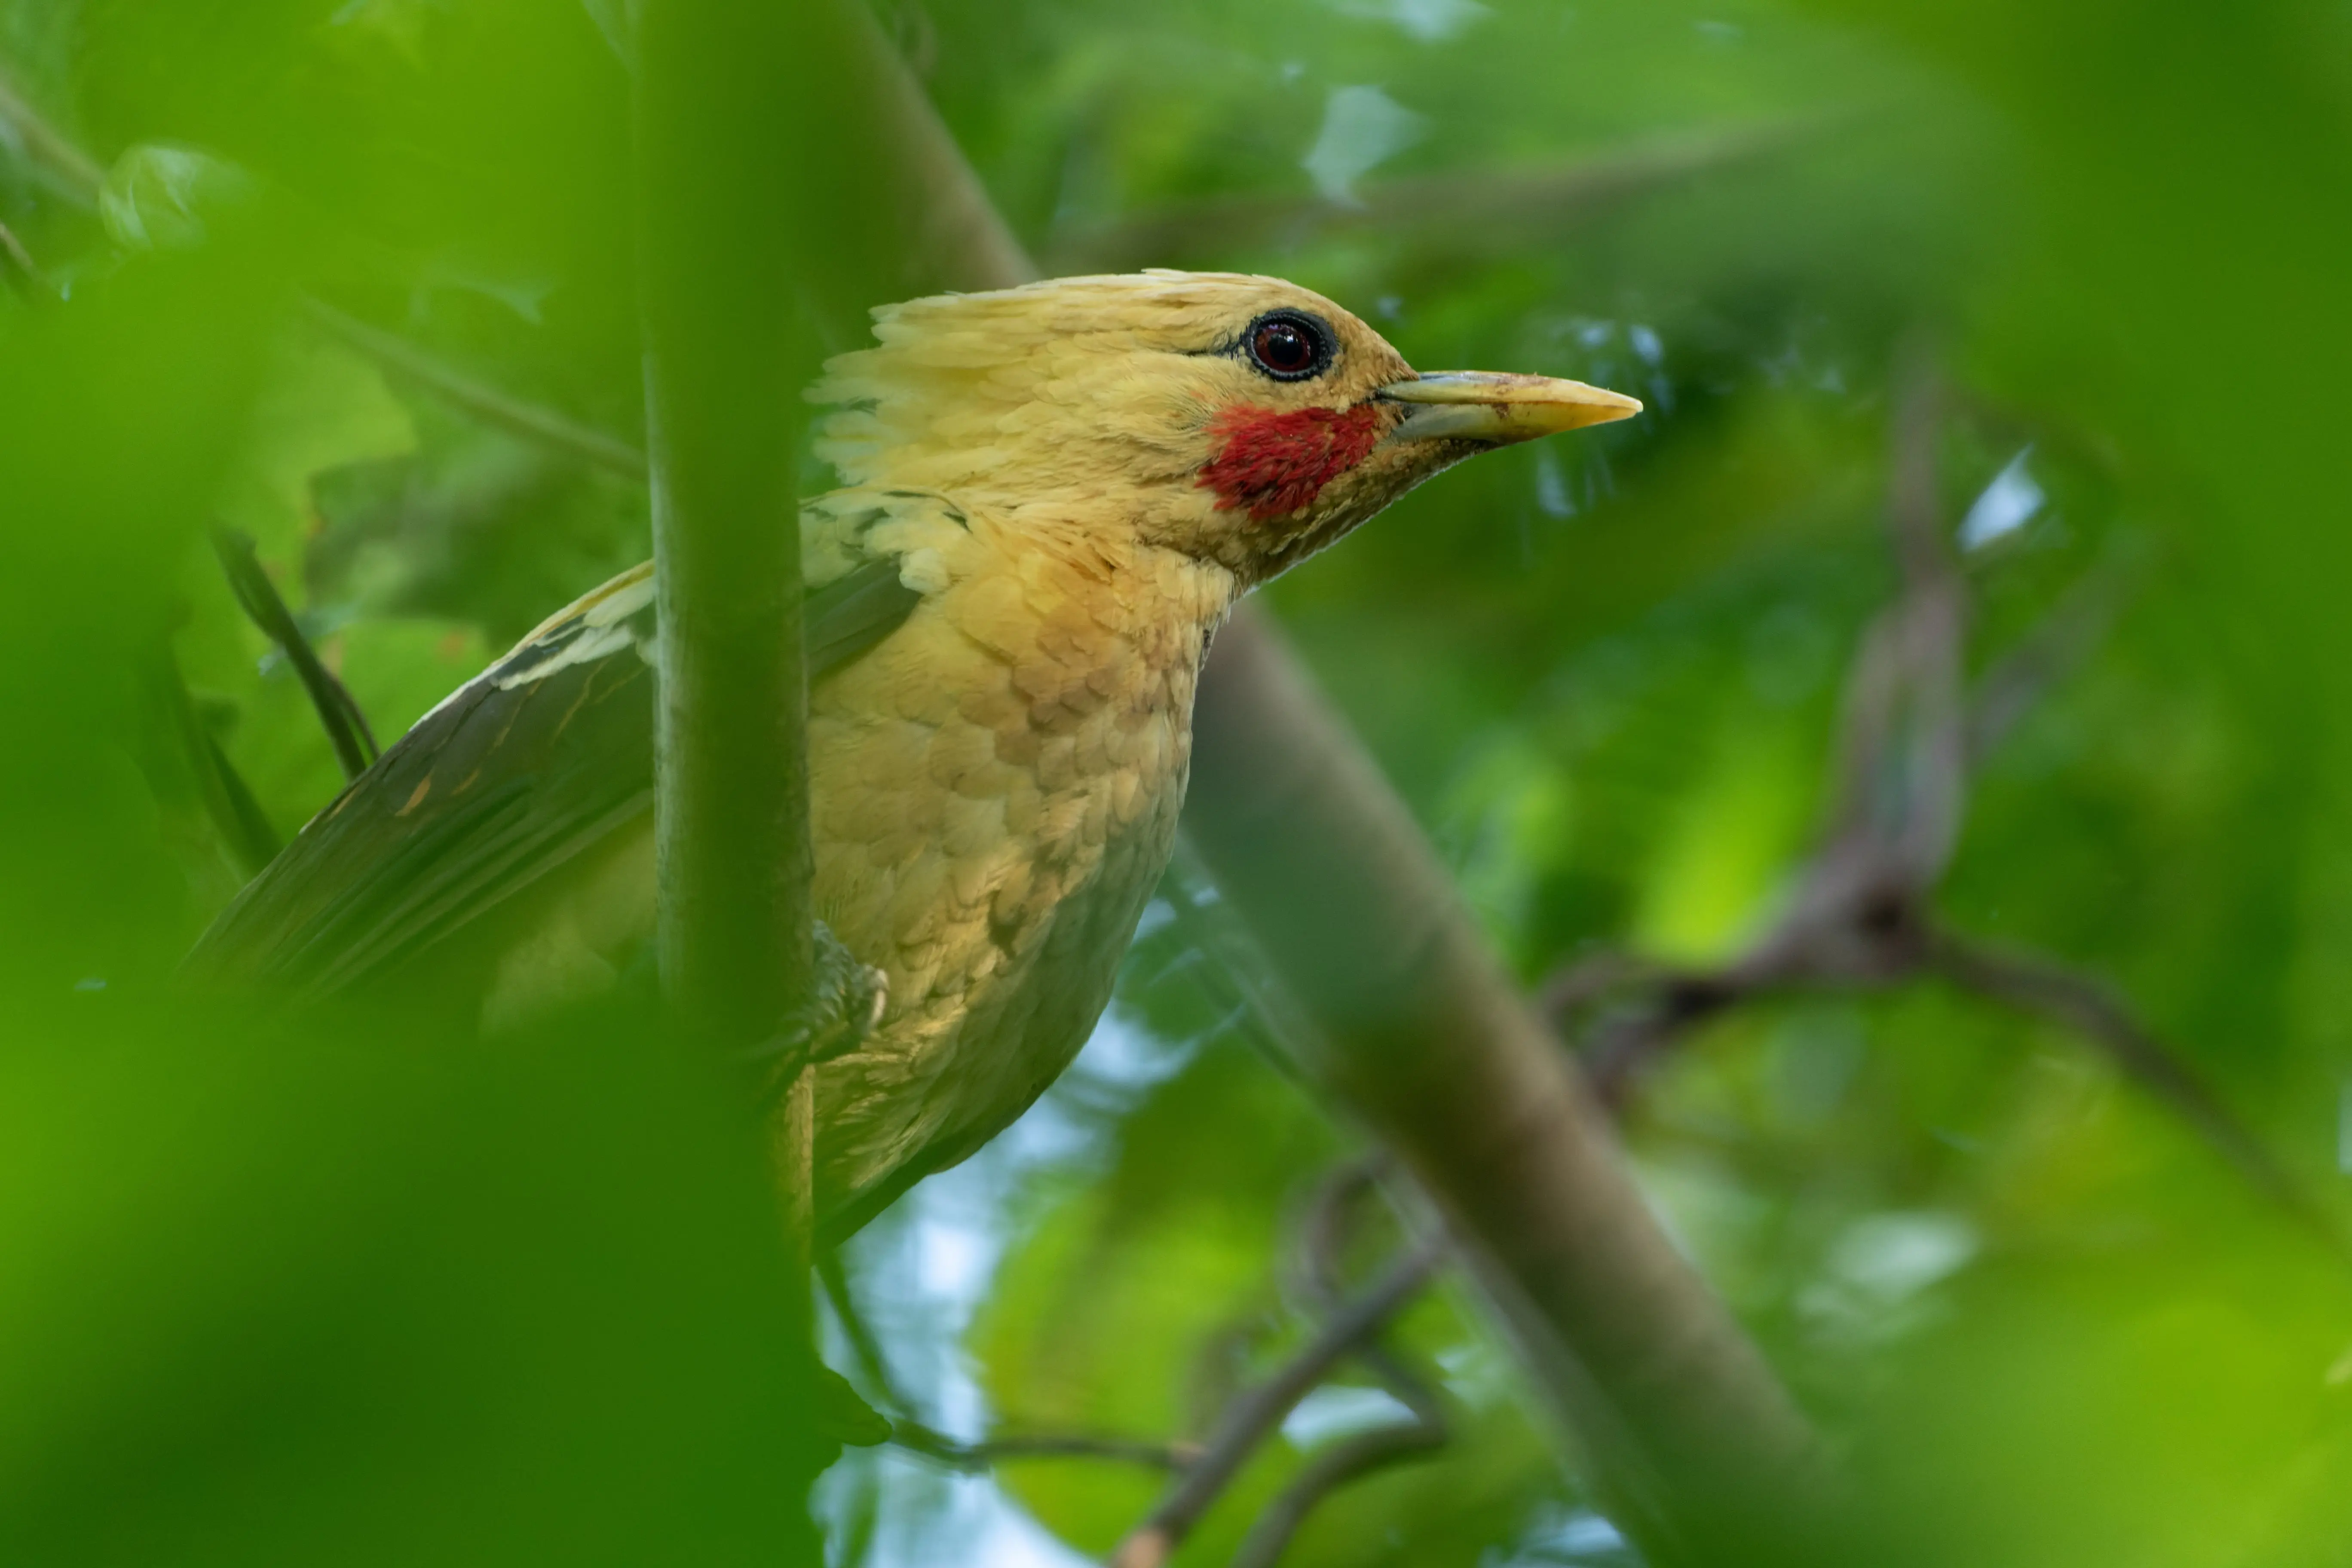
column 269, row 1298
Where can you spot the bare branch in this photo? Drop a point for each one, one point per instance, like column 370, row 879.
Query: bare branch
column 1259, row 1412
column 1327, row 1472
column 1323, row 1237
column 1422, row 1035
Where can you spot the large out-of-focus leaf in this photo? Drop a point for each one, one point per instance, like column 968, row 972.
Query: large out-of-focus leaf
column 364, row 1299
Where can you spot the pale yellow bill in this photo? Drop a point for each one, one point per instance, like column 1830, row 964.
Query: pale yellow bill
column 1486, row 405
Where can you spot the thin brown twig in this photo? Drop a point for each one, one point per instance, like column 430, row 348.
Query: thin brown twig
column 1425, row 1430
column 1350, row 1460
column 1322, row 1274
column 1259, row 1411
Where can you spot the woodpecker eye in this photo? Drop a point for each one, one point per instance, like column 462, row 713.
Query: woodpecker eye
column 1288, row 346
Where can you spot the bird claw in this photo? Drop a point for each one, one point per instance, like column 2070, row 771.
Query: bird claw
column 846, row 1001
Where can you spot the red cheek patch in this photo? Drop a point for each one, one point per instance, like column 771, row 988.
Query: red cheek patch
column 1273, row 464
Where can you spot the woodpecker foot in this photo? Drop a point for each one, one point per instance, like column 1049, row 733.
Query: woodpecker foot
column 846, row 1002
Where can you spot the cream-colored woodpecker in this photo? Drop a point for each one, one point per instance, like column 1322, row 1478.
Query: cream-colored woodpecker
column 1051, row 497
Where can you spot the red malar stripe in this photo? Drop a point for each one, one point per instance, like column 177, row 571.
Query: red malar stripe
column 1274, row 464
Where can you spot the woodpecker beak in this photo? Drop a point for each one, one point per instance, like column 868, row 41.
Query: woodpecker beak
column 1481, row 406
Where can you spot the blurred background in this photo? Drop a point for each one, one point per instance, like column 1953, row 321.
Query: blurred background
column 1910, row 762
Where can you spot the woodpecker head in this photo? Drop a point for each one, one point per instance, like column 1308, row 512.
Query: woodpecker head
column 1239, row 419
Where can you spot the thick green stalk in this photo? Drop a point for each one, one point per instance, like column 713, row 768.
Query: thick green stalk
column 714, row 123
column 721, row 111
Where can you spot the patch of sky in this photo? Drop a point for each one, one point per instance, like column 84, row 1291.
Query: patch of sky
column 1362, row 127
column 1339, row 1410
column 1566, row 1538
column 2006, row 505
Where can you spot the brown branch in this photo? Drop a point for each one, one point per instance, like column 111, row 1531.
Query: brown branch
column 1322, row 1244
column 1327, row 1472
column 1250, row 1419
column 1422, row 1035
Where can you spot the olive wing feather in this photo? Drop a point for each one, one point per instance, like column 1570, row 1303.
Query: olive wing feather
column 534, row 761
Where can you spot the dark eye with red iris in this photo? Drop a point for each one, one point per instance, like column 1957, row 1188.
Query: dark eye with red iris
column 1290, row 347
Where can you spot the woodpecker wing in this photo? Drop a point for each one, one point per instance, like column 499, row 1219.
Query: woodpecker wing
column 534, row 761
